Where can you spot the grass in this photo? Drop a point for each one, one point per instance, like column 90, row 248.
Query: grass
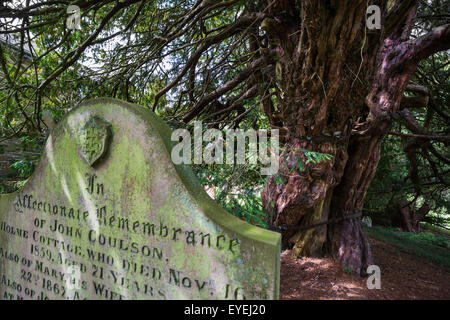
column 434, row 249
column 433, row 228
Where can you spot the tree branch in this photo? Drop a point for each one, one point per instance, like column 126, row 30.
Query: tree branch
column 231, row 30
column 422, row 136
column 76, row 53
column 255, row 65
column 434, row 41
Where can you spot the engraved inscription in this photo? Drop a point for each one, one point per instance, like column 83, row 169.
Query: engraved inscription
column 130, row 228
column 52, row 246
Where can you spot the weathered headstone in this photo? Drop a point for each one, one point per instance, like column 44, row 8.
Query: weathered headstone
column 107, row 215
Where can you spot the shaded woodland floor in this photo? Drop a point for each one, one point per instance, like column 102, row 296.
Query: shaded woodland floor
column 403, row 276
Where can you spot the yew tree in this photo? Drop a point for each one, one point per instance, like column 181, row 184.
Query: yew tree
column 312, row 68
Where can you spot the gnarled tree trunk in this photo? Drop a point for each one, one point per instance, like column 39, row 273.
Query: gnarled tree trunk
column 407, row 218
column 339, row 87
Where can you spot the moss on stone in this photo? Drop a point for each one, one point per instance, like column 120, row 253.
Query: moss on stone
column 141, row 185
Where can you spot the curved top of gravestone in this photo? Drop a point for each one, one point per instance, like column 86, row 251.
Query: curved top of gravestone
column 106, row 184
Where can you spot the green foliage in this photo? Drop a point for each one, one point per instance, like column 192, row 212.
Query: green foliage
column 29, row 142
column 434, row 249
column 302, row 157
column 233, row 187
column 347, row 270
column 24, row 168
column 434, row 228
column 280, row 178
column 316, row 157
column 296, row 162
column 246, row 205
column 427, row 237
column 11, row 186
column 237, row 188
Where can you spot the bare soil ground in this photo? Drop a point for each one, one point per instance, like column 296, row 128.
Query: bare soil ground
column 403, row 276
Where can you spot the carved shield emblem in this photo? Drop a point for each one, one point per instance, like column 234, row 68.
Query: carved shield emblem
column 94, row 138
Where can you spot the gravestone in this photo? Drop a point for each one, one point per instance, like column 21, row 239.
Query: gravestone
column 107, row 215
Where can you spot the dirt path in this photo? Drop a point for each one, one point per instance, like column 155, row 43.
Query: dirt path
column 403, row 276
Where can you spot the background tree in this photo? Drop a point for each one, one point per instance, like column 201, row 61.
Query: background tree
column 416, row 154
column 312, row 68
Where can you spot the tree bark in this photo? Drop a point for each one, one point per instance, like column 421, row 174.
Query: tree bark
column 340, row 86
column 325, row 69
column 347, row 241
